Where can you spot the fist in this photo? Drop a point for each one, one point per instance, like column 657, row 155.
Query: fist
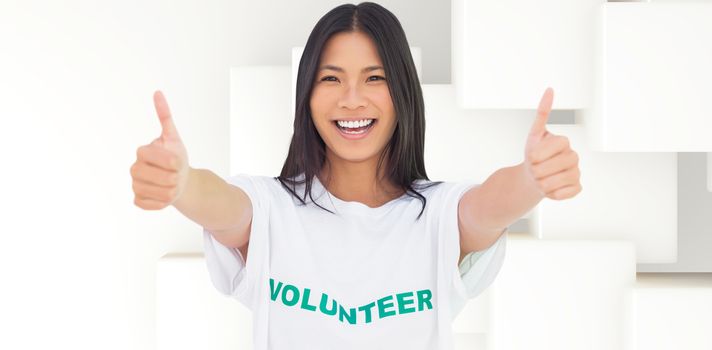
column 550, row 165
column 160, row 173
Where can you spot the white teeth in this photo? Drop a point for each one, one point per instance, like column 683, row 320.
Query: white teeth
column 354, row 124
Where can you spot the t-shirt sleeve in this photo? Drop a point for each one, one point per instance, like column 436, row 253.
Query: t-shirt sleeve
column 478, row 269
column 228, row 269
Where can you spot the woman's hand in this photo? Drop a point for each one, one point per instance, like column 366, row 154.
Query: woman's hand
column 549, row 162
column 161, row 170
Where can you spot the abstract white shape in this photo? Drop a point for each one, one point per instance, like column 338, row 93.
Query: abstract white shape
column 672, row 311
column 627, row 196
column 191, row 313
column 709, row 171
column 653, row 70
column 505, row 53
column 469, row 144
column 561, row 294
column 260, row 124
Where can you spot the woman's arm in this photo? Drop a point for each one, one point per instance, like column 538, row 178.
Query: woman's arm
column 486, row 210
column 550, row 169
column 221, row 208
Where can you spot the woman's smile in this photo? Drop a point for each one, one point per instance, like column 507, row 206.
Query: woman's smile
column 354, row 131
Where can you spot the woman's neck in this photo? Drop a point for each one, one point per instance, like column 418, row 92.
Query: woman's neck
column 356, row 182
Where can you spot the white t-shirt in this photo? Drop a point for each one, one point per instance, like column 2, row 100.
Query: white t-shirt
column 362, row 278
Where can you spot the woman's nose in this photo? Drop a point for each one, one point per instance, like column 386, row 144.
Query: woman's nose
column 352, row 98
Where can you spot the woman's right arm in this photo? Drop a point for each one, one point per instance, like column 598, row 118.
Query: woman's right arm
column 221, row 208
column 162, row 176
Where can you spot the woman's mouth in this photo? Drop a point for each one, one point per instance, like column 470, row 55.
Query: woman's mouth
column 355, row 133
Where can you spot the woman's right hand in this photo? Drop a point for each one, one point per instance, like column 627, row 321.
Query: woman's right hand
column 161, row 170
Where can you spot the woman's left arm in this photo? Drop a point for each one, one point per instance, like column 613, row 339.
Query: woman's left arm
column 550, row 169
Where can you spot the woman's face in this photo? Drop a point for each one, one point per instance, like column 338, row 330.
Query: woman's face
column 346, row 89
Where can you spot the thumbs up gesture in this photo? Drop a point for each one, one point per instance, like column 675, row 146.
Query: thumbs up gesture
column 161, row 170
column 549, row 162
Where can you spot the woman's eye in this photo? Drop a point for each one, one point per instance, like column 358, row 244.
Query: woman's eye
column 373, row 76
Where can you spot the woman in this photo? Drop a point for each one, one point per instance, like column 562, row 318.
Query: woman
column 341, row 255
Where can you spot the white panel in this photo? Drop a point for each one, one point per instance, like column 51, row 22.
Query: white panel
column 474, row 316
column 416, row 52
column 261, row 126
column 655, row 76
column 470, row 341
column 672, row 312
column 296, row 57
column 191, row 314
column 709, row 172
column 561, row 294
column 506, row 52
column 469, row 144
column 628, row 196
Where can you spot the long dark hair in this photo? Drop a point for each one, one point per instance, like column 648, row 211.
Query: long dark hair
column 307, row 152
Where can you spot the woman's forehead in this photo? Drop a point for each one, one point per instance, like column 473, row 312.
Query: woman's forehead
column 350, row 51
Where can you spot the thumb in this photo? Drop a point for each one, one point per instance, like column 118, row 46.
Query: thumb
column 542, row 114
column 168, row 128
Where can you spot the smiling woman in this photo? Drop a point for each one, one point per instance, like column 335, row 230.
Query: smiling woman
column 345, row 102
column 352, row 246
column 359, row 123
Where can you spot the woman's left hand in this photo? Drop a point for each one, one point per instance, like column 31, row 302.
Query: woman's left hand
column 550, row 164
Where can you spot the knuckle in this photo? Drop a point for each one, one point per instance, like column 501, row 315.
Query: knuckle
column 532, row 157
column 171, row 194
column 535, row 171
column 161, row 195
column 543, row 188
column 565, row 141
column 156, row 205
column 172, row 179
column 139, row 203
column 544, row 185
column 572, row 175
column 551, row 188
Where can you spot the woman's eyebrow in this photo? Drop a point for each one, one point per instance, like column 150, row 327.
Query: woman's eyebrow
column 339, row 69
